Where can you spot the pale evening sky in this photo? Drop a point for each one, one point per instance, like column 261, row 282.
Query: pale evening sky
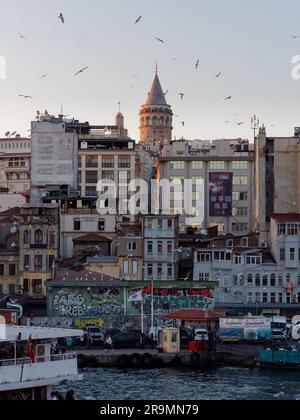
column 248, row 41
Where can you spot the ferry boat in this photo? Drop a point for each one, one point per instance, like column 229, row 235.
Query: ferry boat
column 30, row 365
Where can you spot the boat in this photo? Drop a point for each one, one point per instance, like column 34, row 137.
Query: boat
column 30, row 364
column 280, row 359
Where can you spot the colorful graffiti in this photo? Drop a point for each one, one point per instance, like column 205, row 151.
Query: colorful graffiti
column 48, row 322
column 106, row 301
column 171, row 300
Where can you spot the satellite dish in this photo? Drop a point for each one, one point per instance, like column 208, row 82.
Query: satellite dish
column 13, row 230
column 13, row 133
column 7, row 133
column 44, row 194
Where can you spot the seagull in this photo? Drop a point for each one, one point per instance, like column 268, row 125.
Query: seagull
column 295, row 36
column 241, row 123
column 22, row 36
column 227, row 122
column 44, row 76
column 80, row 71
column 160, row 40
column 138, row 20
column 181, row 95
column 197, row 64
column 218, row 75
column 25, row 96
column 183, row 123
column 166, row 92
column 228, row 98
column 61, row 17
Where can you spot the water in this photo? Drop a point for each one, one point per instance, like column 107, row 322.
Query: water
column 170, row 384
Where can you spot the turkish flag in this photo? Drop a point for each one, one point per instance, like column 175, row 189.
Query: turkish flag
column 148, row 290
column 30, row 349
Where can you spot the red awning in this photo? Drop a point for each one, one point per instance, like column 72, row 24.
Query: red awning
column 195, row 315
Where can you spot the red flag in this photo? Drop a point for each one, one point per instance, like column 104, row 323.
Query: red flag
column 148, row 290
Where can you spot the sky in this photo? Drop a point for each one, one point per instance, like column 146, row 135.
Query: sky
column 250, row 42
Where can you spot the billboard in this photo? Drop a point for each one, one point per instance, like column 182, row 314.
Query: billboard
column 54, row 159
column 249, row 329
column 220, row 194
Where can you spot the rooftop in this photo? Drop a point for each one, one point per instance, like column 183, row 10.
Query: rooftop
column 38, row 333
column 156, row 95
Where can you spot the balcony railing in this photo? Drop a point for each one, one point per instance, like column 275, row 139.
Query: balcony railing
column 46, row 359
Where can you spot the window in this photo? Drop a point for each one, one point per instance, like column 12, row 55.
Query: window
column 38, row 237
column 77, row 225
column 250, row 280
column 38, row 263
column 292, row 229
column 101, row 225
column 217, row 165
column 265, row 297
column 26, row 262
column 222, row 256
column 108, row 175
column 37, row 286
column 257, row 280
column 131, row 246
column 240, row 180
column 240, row 165
column 265, row 280
column 241, row 211
column 150, row 247
column 91, row 191
column 149, row 270
column 282, row 254
column 159, row 270
column 134, row 267
column 26, row 238
column 51, row 238
column 108, row 162
column 170, row 247
column 12, row 269
column 170, row 224
column 11, row 289
column 51, row 263
column 177, row 165
column 125, row 267
column 204, row 277
column 1, row 269
column 292, row 254
column 238, row 259
column 196, row 165
column 280, row 280
column 273, row 297
column 204, row 257
column 281, row 229
column 170, row 271
column 91, row 162
column 160, row 248
column 273, row 280
column 240, row 227
column 124, row 162
column 25, row 285
column 91, row 177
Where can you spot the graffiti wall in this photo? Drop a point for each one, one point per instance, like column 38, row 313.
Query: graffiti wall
column 171, row 300
column 85, row 303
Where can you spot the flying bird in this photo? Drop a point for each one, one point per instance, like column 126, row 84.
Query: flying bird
column 61, row 17
column 183, row 123
column 197, row 64
column 228, row 98
column 25, row 96
column 218, row 75
column 295, row 36
column 181, row 95
column 241, row 123
column 166, row 92
column 80, row 71
column 22, row 36
column 44, row 76
column 138, row 20
column 160, row 40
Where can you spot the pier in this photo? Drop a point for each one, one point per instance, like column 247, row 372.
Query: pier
column 240, row 355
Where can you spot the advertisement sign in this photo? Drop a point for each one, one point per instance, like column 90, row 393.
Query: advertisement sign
column 249, row 329
column 220, row 194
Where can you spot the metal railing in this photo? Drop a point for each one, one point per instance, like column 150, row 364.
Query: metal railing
column 38, row 360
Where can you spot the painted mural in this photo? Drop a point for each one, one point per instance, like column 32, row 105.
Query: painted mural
column 171, row 300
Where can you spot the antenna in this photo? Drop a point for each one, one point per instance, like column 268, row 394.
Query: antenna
column 156, row 68
column 119, row 103
column 255, row 125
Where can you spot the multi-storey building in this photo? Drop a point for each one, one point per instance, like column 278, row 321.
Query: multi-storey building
column 161, row 248
column 210, row 162
column 39, row 248
column 253, row 278
column 15, row 164
column 130, row 249
column 277, row 176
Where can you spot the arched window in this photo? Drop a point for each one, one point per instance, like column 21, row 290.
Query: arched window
column 26, row 237
column 273, row 280
column 38, row 237
column 154, row 121
column 51, row 238
column 257, row 280
column 250, row 280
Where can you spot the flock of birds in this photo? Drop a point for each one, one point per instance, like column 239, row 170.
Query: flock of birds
column 61, row 18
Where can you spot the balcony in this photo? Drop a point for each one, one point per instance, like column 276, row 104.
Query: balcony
column 22, row 373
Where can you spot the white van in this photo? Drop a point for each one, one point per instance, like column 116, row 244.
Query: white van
column 201, row 334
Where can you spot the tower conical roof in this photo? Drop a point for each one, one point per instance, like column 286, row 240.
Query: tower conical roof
column 156, row 95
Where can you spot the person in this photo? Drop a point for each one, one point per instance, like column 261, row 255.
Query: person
column 108, row 343
column 69, row 344
column 142, row 341
column 53, row 396
column 70, row 396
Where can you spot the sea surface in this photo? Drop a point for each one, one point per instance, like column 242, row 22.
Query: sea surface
column 169, row 384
